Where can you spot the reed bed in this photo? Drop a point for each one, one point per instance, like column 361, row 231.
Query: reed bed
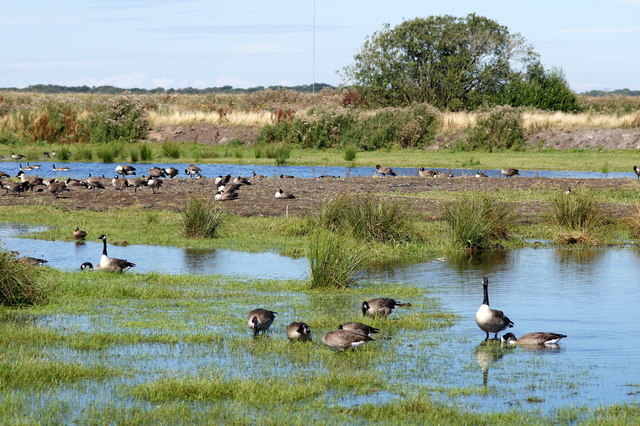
column 232, row 118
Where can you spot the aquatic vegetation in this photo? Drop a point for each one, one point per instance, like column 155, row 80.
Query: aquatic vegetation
column 200, row 219
column 18, row 282
column 577, row 217
column 332, row 261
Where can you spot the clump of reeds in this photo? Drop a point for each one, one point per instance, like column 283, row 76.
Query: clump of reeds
column 474, row 221
column 578, row 218
column 171, row 150
column 17, row 282
column 633, row 223
column 367, row 218
column 333, row 262
column 200, row 219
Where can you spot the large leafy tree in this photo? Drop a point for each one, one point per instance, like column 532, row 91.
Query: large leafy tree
column 453, row 63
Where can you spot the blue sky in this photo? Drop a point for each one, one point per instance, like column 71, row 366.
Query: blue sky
column 207, row 43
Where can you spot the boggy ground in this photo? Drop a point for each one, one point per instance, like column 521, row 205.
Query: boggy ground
column 259, row 197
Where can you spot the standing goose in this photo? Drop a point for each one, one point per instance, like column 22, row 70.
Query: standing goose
column 491, row 320
column 17, row 156
column 384, row 171
column 192, row 170
column 510, row 172
column 344, row 339
column 32, row 181
column 537, row 338
column 636, row 169
column 112, row 263
column 59, row 169
column 479, row 174
column 171, row 172
column 56, row 188
column 125, row 170
column 94, row 182
column 119, row 184
column 282, row 194
column 299, row 331
column 260, row 320
column 154, row 183
column 358, row 327
column 380, row 306
column 137, row 182
column 156, row 172
column 79, row 234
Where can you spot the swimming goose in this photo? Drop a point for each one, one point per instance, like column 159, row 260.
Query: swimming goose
column 192, row 170
column 298, row 331
column 112, row 263
column 380, row 306
column 344, row 339
column 358, row 327
column 384, row 171
column 260, row 320
column 491, row 320
column 282, row 194
column 59, row 169
column 33, row 166
column 25, row 169
column 636, row 169
column 171, row 172
column 537, row 338
column 79, row 234
column 510, row 172
column 125, row 170
column 479, row 174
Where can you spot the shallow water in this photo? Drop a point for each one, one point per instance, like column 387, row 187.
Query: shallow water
column 80, row 170
column 590, row 295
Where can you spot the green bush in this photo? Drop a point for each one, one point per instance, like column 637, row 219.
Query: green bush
column 350, row 153
column 200, row 219
column 17, row 282
column 577, row 217
column 171, row 150
column 122, row 118
column 145, row 152
column 474, row 221
column 332, row 261
column 498, row 130
column 64, row 154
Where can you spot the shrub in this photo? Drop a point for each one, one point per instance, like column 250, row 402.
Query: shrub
column 145, row 152
column 332, row 261
column 350, row 153
column 577, row 217
column 171, row 150
column 121, row 118
column 200, row 219
column 17, row 282
column 64, row 154
column 85, row 154
column 367, row 218
column 500, row 129
column 476, row 220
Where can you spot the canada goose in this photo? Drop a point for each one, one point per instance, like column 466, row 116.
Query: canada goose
column 225, row 196
column 257, row 176
column 154, row 183
column 112, row 263
column 384, row 171
column 241, row 180
column 46, row 154
column 427, row 173
column 490, row 320
column 358, row 327
column 28, row 260
column 510, row 172
column 479, row 174
column 380, row 306
column 156, row 172
column 229, row 187
column 73, row 183
column 33, row 166
column 33, row 181
column 260, row 320
column 25, row 169
column 344, row 339
column 17, row 156
column 171, row 172
column 286, row 176
column 57, row 187
column 15, row 187
column 125, row 170
column 3, row 174
column 222, row 180
column 192, row 170
column 118, row 183
column 94, row 182
column 86, row 266
column 298, row 331
column 282, row 194
column 79, row 234
column 636, row 169
column 537, row 338
column 137, row 182
column 59, row 169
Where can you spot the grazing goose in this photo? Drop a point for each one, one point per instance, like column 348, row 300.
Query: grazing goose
column 192, row 170
column 3, row 174
column 479, row 174
column 119, row 184
column 79, row 234
column 510, row 172
column 57, row 187
column 137, row 182
column 344, row 339
column 260, row 320
column 17, row 156
column 298, row 331
column 282, row 194
column 112, row 263
column 156, row 172
column 380, row 306
column 538, row 338
column 86, row 266
column 428, row 173
column 636, row 169
column 154, row 183
column 384, row 171
column 15, row 187
column 286, row 176
column 491, row 320
column 171, row 172
column 31, row 180
column 358, row 327
column 28, row 260
column 27, row 168
column 94, row 182
column 125, row 170
column 257, row 176
column 59, row 169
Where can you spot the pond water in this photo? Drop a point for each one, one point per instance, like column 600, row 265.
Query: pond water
column 590, row 295
column 81, row 170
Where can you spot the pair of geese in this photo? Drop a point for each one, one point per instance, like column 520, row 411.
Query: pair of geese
column 348, row 335
column 494, row 321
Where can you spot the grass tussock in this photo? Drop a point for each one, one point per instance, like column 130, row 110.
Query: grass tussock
column 367, row 218
column 475, row 221
column 35, row 373
column 18, row 284
column 333, row 262
column 200, row 219
column 577, row 217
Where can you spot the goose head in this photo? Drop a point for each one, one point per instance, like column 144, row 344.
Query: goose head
column 86, row 266
column 365, row 307
column 508, row 338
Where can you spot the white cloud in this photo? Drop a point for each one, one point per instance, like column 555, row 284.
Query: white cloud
column 231, row 80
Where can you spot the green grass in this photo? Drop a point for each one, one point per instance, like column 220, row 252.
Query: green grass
column 200, row 219
column 332, row 261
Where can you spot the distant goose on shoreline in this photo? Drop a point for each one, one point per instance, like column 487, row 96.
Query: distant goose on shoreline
column 384, row 171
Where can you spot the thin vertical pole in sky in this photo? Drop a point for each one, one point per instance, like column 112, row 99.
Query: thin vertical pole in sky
column 313, row 72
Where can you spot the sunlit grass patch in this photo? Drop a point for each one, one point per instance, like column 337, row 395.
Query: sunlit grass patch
column 19, row 282
column 36, row 373
column 578, row 218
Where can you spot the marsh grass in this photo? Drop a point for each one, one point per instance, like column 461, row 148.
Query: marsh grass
column 332, row 261
column 18, row 282
column 36, row 373
column 477, row 220
column 633, row 222
column 200, row 219
column 171, row 150
column 577, row 218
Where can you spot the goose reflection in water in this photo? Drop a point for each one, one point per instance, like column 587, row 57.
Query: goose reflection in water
column 489, row 352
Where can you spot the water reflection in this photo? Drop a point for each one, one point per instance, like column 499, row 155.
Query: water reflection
column 487, row 353
column 484, row 262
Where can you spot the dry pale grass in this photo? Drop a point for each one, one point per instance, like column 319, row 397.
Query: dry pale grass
column 232, row 118
column 452, row 121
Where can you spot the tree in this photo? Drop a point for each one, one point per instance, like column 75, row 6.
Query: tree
column 449, row 62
